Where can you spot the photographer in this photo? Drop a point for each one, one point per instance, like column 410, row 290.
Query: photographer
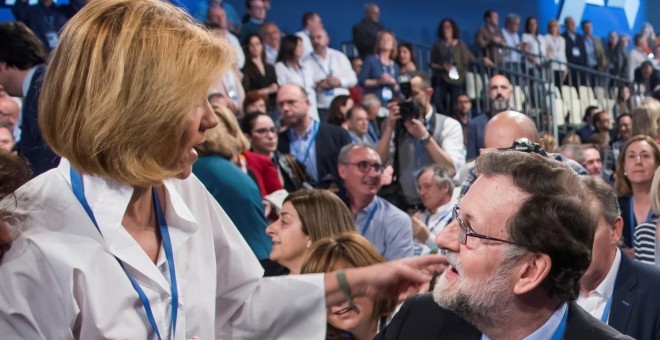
column 415, row 136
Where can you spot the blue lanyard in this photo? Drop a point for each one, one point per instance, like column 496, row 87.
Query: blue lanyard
column 328, row 73
column 559, row 332
column 437, row 222
column 388, row 68
column 312, row 142
column 79, row 192
column 606, row 312
column 372, row 213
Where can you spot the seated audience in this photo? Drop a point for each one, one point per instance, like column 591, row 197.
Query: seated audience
column 387, row 228
column 646, row 120
column 306, row 217
column 6, row 138
column 436, row 188
column 235, row 191
column 362, row 318
column 260, row 130
column 358, row 126
column 338, row 109
column 623, row 101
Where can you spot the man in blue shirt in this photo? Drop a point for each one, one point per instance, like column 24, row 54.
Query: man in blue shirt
column 387, row 228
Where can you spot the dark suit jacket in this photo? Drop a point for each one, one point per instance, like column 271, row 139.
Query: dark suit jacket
column 654, row 79
column 364, row 36
column 579, row 43
column 329, row 141
column 636, row 300
column 421, row 318
column 32, row 146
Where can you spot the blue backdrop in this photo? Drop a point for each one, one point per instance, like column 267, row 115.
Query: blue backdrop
column 417, row 20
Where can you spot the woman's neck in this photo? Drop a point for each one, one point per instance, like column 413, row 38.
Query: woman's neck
column 641, row 191
column 141, row 223
column 294, row 266
column 366, row 331
column 384, row 56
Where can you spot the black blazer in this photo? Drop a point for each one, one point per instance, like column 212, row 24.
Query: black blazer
column 579, row 43
column 636, row 300
column 329, row 141
column 654, row 80
column 32, row 146
column 421, row 318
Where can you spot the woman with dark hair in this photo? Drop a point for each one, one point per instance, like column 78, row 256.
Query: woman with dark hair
column 260, row 130
column 450, row 59
column 254, row 102
column 535, row 45
column 337, row 111
column 290, row 70
column 379, row 71
column 306, row 216
column 406, row 58
column 258, row 75
column 623, row 101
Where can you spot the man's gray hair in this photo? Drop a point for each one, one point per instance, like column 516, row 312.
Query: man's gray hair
column 346, row 150
column 441, row 175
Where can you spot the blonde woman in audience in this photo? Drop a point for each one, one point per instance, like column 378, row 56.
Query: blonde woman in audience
column 639, row 159
column 365, row 317
column 549, row 142
column 645, row 119
column 120, row 241
column 306, row 216
column 571, row 138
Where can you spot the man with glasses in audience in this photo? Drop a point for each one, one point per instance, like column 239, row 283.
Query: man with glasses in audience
column 387, row 228
column 519, row 243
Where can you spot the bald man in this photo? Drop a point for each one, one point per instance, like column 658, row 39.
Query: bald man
column 502, row 131
column 499, row 92
column 9, row 111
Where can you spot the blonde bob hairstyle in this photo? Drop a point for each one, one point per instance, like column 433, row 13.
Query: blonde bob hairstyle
column 121, row 85
column 346, row 250
column 379, row 36
column 322, row 213
column 622, row 185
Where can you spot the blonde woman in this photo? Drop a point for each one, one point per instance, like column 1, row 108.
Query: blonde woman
column 380, row 71
column 366, row 317
column 120, row 241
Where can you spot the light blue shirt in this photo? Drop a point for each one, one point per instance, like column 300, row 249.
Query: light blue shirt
column 389, row 231
column 366, row 139
column 549, row 327
column 590, row 50
column 299, row 144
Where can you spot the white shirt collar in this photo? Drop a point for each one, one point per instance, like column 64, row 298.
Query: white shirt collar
column 108, row 200
column 429, row 113
column 606, row 287
column 28, row 80
column 549, row 327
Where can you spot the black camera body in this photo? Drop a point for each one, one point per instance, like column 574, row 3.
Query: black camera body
column 408, row 107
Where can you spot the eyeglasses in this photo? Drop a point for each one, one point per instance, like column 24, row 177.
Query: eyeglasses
column 264, row 131
column 365, row 166
column 465, row 230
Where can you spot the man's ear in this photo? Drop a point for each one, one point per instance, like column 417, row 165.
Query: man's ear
column 531, row 272
column 342, row 171
column 617, row 230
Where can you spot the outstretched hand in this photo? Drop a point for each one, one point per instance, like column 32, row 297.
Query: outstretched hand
column 401, row 278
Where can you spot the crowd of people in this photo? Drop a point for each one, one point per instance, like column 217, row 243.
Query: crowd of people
column 287, row 191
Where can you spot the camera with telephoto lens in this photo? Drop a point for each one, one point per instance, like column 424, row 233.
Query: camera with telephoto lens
column 408, row 107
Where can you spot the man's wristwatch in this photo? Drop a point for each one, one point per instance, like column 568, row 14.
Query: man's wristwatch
column 426, row 139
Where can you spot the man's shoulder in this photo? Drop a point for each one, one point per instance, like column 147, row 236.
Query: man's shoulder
column 420, row 316
column 392, row 211
column 480, row 119
column 332, row 129
column 581, row 325
column 647, row 275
